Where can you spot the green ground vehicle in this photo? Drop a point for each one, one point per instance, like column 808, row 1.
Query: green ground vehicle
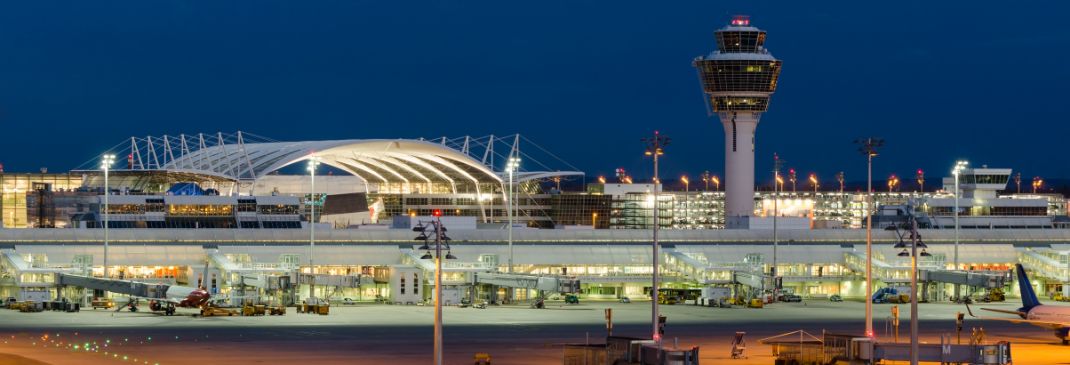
column 572, row 299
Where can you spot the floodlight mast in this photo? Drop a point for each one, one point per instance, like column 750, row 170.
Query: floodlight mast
column 868, row 147
column 105, row 164
column 313, row 162
column 655, row 150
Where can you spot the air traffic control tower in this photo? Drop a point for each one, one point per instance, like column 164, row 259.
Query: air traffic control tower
column 737, row 80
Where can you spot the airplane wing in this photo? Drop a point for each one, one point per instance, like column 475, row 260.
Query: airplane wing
column 1020, row 314
column 1045, row 324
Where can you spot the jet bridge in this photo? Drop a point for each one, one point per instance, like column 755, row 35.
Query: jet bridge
column 975, row 279
column 130, row 288
column 523, row 281
column 703, row 272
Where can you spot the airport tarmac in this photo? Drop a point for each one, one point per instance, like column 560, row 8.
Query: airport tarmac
column 369, row 334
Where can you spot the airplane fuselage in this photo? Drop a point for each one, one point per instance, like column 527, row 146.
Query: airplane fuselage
column 187, row 297
column 1050, row 313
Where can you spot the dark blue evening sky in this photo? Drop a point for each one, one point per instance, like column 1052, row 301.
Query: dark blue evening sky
column 983, row 81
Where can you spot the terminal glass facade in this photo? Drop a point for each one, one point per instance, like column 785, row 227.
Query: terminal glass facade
column 17, row 189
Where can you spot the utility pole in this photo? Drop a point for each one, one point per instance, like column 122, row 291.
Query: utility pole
column 868, row 147
column 654, row 149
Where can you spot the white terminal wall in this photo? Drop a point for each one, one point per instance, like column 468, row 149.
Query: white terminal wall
column 299, row 185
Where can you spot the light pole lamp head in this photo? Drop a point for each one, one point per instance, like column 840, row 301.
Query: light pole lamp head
column 313, row 162
column 512, row 165
column 959, row 167
column 868, row 146
column 106, row 161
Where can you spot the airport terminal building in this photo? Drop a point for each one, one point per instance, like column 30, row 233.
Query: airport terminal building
column 232, row 213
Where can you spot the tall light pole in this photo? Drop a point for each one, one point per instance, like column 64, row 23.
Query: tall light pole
column 716, row 183
column 313, row 162
column 840, row 177
column 920, row 178
column 706, row 180
column 868, row 147
column 511, row 166
column 687, row 189
column 440, row 239
column 654, row 149
column 776, row 213
column 915, row 242
column 105, row 164
column 959, row 167
column 791, row 177
column 813, row 183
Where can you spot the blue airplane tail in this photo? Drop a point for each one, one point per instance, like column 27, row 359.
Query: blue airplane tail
column 1029, row 297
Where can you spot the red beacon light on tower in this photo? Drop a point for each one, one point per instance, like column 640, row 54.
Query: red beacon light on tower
column 741, row 20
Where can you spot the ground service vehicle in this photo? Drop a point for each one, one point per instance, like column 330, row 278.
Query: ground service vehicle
column 885, row 295
column 210, row 311
column 791, row 298
column 102, row 303
column 254, row 310
column 678, row 295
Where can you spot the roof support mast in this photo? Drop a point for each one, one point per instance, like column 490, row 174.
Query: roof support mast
column 134, row 159
column 167, row 154
column 184, row 150
column 152, row 153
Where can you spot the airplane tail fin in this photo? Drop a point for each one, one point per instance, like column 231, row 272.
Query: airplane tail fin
column 1029, row 297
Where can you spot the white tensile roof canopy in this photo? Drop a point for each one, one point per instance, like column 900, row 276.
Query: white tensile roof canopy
column 373, row 160
column 410, row 162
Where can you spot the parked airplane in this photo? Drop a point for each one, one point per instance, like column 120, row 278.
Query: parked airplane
column 175, row 297
column 1032, row 312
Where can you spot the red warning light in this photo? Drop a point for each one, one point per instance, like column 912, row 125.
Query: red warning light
column 741, row 20
column 437, row 212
